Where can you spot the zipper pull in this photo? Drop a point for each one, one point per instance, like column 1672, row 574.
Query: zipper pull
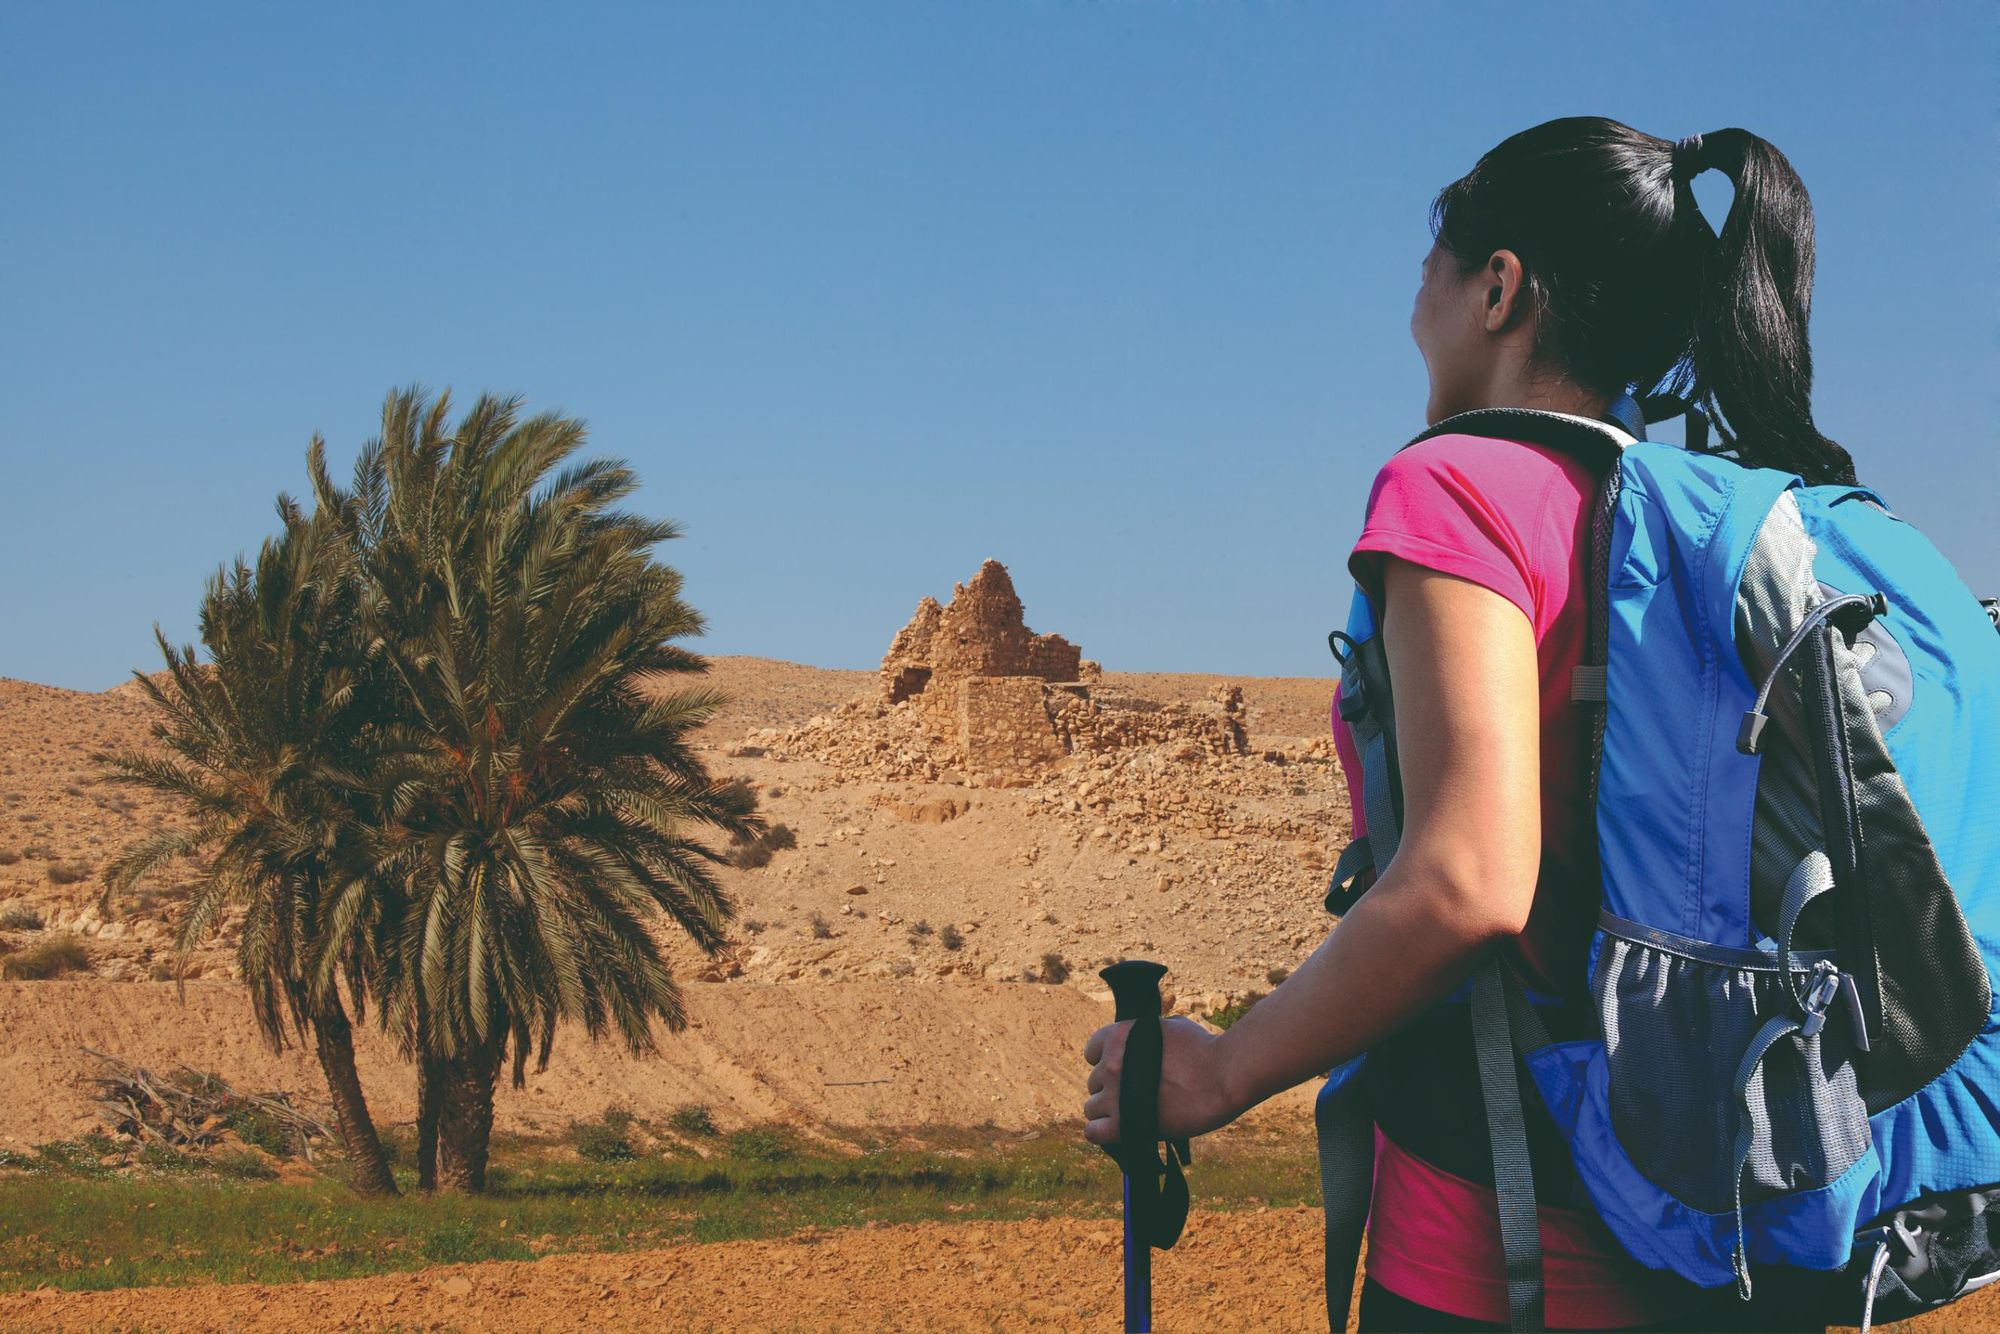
column 1850, row 1000
column 1826, row 985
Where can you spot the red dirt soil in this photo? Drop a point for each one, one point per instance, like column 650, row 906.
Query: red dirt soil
column 1255, row 1270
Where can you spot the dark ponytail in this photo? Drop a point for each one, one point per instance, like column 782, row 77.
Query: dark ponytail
column 1631, row 289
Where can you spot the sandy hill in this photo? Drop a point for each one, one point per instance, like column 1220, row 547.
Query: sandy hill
column 1194, row 822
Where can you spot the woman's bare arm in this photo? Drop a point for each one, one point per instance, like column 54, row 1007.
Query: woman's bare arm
column 1468, row 724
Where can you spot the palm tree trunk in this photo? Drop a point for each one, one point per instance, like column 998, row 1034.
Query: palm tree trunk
column 334, row 1038
column 430, row 1106
column 465, row 1119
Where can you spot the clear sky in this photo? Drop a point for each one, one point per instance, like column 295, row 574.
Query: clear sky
column 1115, row 293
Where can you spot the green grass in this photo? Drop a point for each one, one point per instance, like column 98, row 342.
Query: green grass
column 73, row 1225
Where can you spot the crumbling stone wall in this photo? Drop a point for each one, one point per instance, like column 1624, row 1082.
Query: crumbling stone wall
column 1003, row 729
column 1007, row 703
column 981, row 632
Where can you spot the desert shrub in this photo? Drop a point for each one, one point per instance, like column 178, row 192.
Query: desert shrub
column 821, row 930
column 754, row 927
column 37, row 852
column 748, row 854
column 68, row 873
column 261, row 1130
column 761, row 1144
column 752, row 851
column 605, row 1140
column 902, row 968
column 72, row 790
column 1235, row 1010
column 8, row 856
column 20, row 917
column 52, row 958
column 1055, row 969
column 692, row 1119
column 1277, row 975
column 918, row 931
column 950, row 938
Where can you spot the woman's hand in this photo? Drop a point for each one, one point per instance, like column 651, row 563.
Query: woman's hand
column 1193, row 1099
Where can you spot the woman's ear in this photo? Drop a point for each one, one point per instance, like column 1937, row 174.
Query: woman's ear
column 1504, row 279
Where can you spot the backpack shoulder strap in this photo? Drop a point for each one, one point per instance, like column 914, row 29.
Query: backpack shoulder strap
column 1595, row 442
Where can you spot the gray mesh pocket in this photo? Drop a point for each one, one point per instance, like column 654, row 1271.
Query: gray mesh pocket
column 1678, row 1016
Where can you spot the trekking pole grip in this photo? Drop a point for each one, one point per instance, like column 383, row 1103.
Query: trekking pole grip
column 1135, row 991
column 1135, row 987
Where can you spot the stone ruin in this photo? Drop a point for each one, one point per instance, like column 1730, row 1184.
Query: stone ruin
column 1007, row 704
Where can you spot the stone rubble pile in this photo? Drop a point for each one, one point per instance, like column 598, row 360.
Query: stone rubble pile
column 969, row 694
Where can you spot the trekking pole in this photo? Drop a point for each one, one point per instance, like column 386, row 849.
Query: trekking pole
column 1154, row 1212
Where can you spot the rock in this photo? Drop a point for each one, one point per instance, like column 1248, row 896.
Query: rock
column 857, row 890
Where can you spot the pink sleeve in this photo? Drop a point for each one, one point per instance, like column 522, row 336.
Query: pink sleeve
column 1469, row 507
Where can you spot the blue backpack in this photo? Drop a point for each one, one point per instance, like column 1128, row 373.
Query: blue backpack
column 1792, row 1059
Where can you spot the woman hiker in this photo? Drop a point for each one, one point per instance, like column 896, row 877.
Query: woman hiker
column 1569, row 266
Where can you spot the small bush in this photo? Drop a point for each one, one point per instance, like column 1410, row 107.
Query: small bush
column 761, row 1144
column 918, row 931
column 902, row 968
column 21, row 917
column 1235, row 1010
column 1277, row 975
column 37, row 852
column 950, row 938
column 754, row 927
column 68, row 873
column 8, row 856
column 51, row 958
column 820, row 929
column 693, row 1119
column 261, row 1131
column 1055, row 969
column 605, row 1140
column 748, row 853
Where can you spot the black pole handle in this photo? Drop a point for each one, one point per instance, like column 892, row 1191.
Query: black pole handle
column 1158, row 1189
column 1135, row 988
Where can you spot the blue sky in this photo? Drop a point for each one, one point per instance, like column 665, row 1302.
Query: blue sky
column 1115, row 293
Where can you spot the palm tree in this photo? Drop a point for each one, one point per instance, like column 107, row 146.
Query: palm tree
column 543, row 834
column 268, row 749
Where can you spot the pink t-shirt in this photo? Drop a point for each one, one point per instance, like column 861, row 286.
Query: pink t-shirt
column 1513, row 518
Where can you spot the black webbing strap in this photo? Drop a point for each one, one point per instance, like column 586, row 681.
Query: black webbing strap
column 1494, row 1047
column 1346, row 1132
column 1353, row 873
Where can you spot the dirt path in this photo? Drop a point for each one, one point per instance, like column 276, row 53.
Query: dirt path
column 1056, row 1274
column 1245, row 1271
